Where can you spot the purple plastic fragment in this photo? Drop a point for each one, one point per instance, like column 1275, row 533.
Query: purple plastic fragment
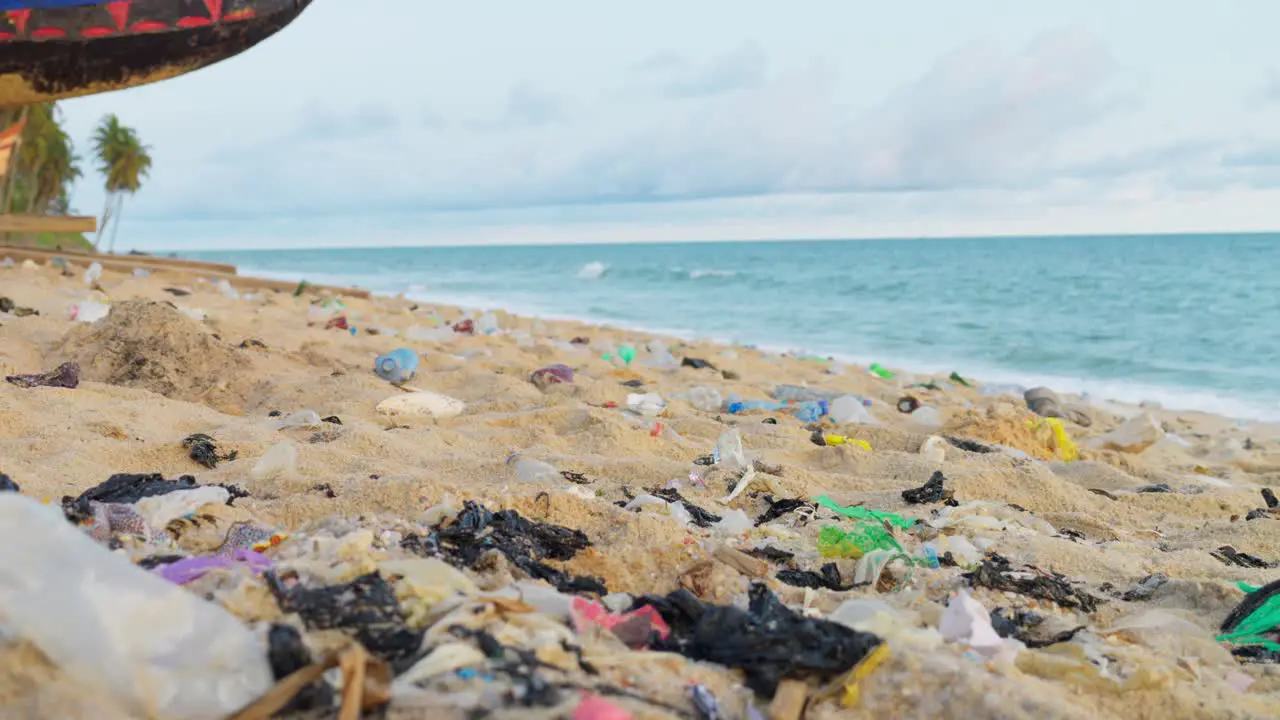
column 192, row 568
column 553, row 375
column 67, row 375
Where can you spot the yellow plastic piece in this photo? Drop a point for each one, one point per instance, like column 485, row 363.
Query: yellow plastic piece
column 1059, row 440
column 861, row 671
column 842, row 440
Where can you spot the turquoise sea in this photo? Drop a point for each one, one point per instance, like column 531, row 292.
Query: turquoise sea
column 1191, row 321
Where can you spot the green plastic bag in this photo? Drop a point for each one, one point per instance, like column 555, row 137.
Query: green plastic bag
column 1249, row 630
column 862, row 539
column 861, row 513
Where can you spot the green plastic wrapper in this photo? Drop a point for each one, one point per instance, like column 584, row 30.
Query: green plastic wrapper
column 862, row 539
column 861, row 513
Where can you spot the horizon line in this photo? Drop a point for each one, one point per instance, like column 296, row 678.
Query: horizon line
column 713, row 241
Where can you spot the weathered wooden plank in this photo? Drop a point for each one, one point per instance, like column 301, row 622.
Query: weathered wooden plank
column 48, row 223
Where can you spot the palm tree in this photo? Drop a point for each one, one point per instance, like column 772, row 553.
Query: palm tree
column 47, row 163
column 125, row 162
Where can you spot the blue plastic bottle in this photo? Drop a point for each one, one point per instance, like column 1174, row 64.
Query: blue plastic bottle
column 397, row 367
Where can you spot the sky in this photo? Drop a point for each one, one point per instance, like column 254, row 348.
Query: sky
column 401, row 122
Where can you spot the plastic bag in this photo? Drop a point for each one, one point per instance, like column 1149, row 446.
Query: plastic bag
column 108, row 623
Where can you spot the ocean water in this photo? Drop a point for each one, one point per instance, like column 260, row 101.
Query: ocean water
column 1192, row 322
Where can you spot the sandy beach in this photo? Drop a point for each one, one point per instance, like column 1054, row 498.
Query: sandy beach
column 1130, row 535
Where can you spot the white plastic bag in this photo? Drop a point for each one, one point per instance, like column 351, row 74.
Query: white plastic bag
column 162, row 650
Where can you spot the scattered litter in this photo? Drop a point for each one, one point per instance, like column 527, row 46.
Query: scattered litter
column 865, row 537
column 697, row 364
column 397, row 367
column 552, row 375
column 768, row 641
column 476, row 531
column 828, row 578
column 67, row 375
column 8, row 485
column 931, row 492
column 966, row 621
column 698, row 516
column 635, row 629
column 647, row 404
column 778, row 508
column 188, row 569
column 204, row 451
column 823, row 440
column 908, row 404
column 861, row 513
column 1228, row 555
column 996, row 573
column 281, row 460
column 366, row 607
column 1254, row 624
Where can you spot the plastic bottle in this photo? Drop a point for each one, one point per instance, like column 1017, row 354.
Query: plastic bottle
column 729, row 450
column 93, row 274
column 528, row 470
column 796, row 393
column 161, row 650
column 705, row 399
column 810, row 410
column 397, row 367
column 486, row 324
column 849, row 409
column 877, row 370
column 299, row 419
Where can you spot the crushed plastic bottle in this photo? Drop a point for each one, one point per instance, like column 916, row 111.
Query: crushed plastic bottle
column 301, row 419
column 529, row 470
column 487, row 324
column 880, row 372
column 849, row 409
column 161, row 650
column 279, row 461
column 647, row 405
column 729, row 450
column 225, row 288
column 705, row 399
column 797, row 394
column 93, row 274
column 397, row 367
column 89, row 311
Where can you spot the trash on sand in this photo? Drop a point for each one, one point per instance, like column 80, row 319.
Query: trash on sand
column 862, row 539
column 861, row 513
column 996, row 573
column 828, row 578
column 634, row 628
column 768, row 641
column 1045, row 403
column 552, row 375
column 705, row 399
column 1228, row 555
column 191, row 568
column 647, row 404
column 66, row 375
column 697, row 364
column 966, row 621
column 525, row 543
column 8, row 485
column 848, row 409
column 366, row 608
column 778, row 508
column 932, row 491
column 1056, row 438
column 823, row 440
column 202, row 449
column 530, row 470
column 908, row 404
column 130, row 488
column 397, row 367
column 1253, row 626
column 89, row 311
column 934, row 449
column 698, row 516
column 422, row 404
column 115, row 626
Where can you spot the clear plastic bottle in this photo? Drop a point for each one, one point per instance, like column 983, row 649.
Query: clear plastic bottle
column 705, row 399
column 849, row 409
column 161, row 650
column 528, row 470
column 309, row 419
column 397, row 367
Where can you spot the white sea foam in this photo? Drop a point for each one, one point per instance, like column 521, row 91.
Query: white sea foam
column 593, row 270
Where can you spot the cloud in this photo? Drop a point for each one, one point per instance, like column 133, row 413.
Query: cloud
column 979, row 117
column 676, row 76
column 1269, row 92
column 323, row 122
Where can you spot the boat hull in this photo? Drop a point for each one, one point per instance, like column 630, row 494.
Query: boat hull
column 68, row 48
